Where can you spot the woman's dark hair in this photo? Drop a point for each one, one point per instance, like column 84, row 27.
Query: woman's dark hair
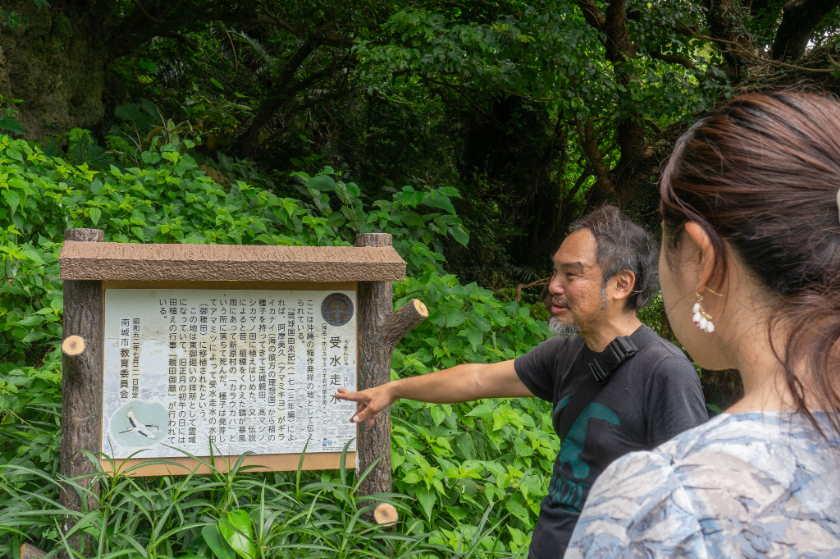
column 623, row 245
column 762, row 175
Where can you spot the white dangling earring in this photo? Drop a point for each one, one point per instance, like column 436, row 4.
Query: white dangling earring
column 702, row 319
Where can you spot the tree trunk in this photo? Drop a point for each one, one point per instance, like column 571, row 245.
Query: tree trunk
column 799, row 18
column 379, row 330
column 511, row 152
column 84, row 314
column 726, row 23
column 55, row 62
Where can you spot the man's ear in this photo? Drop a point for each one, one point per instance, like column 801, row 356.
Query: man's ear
column 625, row 282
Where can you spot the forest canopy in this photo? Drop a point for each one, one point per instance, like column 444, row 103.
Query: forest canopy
column 539, row 109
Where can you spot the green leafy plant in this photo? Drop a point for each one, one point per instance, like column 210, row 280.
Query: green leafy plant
column 462, row 457
column 229, row 513
column 8, row 122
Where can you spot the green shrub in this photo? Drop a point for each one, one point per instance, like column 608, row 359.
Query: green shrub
column 225, row 514
column 483, row 465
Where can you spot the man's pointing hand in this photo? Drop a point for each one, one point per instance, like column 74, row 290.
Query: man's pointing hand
column 370, row 402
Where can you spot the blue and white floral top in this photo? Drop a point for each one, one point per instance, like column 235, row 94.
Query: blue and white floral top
column 758, row 484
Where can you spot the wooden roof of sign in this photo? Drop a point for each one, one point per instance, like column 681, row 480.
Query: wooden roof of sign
column 129, row 261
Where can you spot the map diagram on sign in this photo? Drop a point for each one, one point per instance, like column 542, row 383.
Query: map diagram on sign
column 241, row 370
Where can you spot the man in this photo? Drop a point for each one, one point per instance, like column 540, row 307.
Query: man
column 603, row 273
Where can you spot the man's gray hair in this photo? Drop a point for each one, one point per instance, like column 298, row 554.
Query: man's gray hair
column 623, row 245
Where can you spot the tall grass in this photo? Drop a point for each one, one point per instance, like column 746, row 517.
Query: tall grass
column 226, row 514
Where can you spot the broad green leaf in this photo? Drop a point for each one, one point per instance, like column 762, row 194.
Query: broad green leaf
column 12, row 198
column 31, row 320
column 95, row 214
column 437, row 415
column 427, row 499
column 140, row 233
column 523, row 448
column 454, row 318
column 484, row 411
column 235, row 527
column 35, row 335
column 323, row 183
column 474, row 336
column 439, row 201
column 220, row 548
column 498, row 422
column 11, row 124
column 459, row 234
column 33, row 255
column 127, row 112
column 412, row 477
column 335, row 219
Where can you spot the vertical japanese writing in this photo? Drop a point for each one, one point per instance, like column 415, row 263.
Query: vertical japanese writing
column 125, row 356
column 239, row 370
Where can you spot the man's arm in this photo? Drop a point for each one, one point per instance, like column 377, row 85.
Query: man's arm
column 463, row 383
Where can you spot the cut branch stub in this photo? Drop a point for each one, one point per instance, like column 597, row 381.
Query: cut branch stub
column 80, row 364
column 385, row 513
column 29, row 551
column 399, row 323
column 73, row 345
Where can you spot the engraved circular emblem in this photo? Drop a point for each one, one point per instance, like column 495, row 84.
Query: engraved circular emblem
column 337, row 309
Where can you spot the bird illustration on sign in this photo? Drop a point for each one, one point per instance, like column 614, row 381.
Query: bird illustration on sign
column 139, row 424
column 138, row 427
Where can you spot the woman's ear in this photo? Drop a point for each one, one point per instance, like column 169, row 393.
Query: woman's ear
column 699, row 252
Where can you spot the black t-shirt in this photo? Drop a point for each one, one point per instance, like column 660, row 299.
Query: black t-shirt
column 649, row 399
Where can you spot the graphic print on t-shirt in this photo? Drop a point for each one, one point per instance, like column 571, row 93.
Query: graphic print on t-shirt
column 649, row 399
column 563, row 491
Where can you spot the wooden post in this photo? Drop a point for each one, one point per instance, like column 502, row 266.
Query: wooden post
column 82, row 365
column 29, row 551
column 379, row 330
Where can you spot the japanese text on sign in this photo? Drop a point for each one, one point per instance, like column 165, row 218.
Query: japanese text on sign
column 243, row 370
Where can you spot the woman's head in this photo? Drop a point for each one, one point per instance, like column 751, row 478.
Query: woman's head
column 758, row 181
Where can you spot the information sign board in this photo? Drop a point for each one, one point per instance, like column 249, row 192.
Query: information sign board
column 241, row 370
column 175, row 353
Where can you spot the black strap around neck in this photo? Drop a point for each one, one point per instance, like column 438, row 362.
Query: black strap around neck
column 601, row 367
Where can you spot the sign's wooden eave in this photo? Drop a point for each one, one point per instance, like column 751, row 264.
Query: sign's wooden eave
column 180, row 262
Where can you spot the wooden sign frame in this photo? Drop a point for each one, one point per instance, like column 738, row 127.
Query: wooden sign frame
column 223, row 463
column 89, row 267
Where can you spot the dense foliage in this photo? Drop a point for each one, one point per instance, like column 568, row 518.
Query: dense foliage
column 453, row 462
column 537, row 109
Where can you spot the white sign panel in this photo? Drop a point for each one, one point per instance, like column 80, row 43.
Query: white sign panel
column 241, row 370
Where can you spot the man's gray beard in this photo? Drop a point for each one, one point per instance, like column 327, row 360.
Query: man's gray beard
column 560, row 328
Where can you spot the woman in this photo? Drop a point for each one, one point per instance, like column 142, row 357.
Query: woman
column 750, row 273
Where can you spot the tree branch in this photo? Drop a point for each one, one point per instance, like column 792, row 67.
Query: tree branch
column 275, row 99
column 145, row 13
column 326, row 34
column 799, row 18
column 725, row 20
column 603, row 186
column 673, row 59
column 592, row 14
column 734, row 47
column 399, row 323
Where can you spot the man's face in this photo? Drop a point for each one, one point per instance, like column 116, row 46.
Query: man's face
column 576, row 287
